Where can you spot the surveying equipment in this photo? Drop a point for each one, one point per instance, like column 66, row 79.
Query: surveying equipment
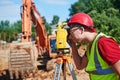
column 61, row 37
column 63, row 57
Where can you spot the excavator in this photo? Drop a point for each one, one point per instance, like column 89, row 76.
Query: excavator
column 30, row 14
column 22, row 58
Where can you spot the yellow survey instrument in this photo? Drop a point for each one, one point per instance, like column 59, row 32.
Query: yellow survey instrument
column 61, row 38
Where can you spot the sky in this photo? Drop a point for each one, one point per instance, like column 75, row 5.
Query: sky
column 10, row 9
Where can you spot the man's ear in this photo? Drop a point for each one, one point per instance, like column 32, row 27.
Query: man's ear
column 82, row 30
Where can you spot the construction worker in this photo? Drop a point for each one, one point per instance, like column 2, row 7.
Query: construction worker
column 102, row 57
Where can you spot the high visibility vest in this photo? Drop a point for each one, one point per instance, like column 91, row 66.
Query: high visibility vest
column 98, row 68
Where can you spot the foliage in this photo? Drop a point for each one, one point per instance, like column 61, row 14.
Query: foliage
column 17, row 26
column 4, row 24
column 9, row 32
column 116, row 4
column 105, row 14
column 55, row 20
column 47, row 26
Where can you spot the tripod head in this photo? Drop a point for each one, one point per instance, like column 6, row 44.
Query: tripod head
column 63, row 52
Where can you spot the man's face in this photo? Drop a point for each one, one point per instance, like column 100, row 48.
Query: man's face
column 76, row 32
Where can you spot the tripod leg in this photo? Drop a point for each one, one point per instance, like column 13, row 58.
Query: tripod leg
column 55, row 71
column 60, row 68
column 64, row 70
column 72, row 71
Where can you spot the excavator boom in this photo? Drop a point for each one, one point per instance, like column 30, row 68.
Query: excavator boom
column 30, row 14
column 26, row 22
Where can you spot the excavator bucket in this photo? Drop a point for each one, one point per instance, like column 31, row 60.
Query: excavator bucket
column 21, row 59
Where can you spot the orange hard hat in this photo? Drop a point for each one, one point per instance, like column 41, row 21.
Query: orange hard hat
column 82, row 19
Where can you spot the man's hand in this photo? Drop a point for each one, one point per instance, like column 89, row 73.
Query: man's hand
column 70, row 40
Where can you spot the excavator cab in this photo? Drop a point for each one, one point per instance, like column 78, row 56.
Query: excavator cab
column 52, row 46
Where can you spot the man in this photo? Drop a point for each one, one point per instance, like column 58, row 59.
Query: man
column 102, row 58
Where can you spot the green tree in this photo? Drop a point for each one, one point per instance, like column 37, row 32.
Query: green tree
column 116, row 4
column 7, row 32
column 55, row 20
column 78, row 6
column 4, row 24
column 47, row 26
column 105, row 15
column 17, row 26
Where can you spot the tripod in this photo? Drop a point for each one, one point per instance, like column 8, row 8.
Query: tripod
column 61, row 62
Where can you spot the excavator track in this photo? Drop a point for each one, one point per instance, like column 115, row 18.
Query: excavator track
column 22, row 60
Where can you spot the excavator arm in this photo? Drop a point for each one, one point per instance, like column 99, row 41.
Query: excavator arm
column 26, row 22
column 30, row 14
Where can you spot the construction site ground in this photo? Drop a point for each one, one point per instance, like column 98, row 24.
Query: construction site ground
column 48, row 75
column 42, row 73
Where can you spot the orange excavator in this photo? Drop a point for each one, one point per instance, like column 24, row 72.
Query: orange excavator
column 43, row 40
column 30, row 13
column 45, row 43
column 22, row 58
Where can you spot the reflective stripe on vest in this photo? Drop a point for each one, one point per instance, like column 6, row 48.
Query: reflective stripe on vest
column 99, row 69
column 96, row 64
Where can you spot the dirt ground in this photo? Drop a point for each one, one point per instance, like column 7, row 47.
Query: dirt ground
column 41, row 74
column 48, row 75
